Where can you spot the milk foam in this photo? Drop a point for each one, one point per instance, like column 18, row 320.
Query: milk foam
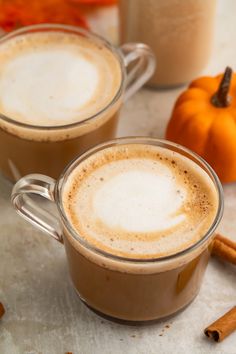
column 140, row 201
column 53, row 79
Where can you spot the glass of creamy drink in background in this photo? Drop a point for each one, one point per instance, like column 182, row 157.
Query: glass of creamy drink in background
column 137, row 217
column 179, row 32
column 61, row 89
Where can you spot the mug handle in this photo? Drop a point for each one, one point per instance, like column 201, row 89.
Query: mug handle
column 143, row 66
column 37, row 184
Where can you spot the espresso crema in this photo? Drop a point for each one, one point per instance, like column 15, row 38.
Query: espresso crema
column 140, row 201
column 52, row 79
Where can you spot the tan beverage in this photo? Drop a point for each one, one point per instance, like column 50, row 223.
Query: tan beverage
column 20, row 155
column 61, row 89
column 138, row 202
column 138, row 219
column 180, row 32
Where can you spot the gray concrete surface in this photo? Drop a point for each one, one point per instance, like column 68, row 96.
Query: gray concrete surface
column 44, row 315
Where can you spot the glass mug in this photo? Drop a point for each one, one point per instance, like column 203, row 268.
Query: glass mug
column 180, row 34
column 29, row 148
column 120, row 288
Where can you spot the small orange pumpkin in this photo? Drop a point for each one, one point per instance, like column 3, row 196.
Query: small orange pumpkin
column 204, row 120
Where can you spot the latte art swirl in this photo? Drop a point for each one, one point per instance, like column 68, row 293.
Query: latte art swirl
column 55, row 78
column 140, row 201
column 137, row 209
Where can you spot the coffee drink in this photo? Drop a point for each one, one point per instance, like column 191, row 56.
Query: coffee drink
column 60, row 93
column 137, row 218
column 55, row 79
column 140, row 202
column 132, row 205
column 50, row 83
column 179, row 32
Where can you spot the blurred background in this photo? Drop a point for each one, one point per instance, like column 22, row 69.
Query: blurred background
column 98, row 15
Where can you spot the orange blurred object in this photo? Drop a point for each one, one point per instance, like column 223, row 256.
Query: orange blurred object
column 18, row 13
column 95, row 2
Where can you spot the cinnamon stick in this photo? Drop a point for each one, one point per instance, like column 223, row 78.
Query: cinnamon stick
column 2, row 310
column 224, row 248
column 221, row 328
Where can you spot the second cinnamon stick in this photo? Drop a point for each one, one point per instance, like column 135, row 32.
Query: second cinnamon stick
column 221, row 328
column 224, row 248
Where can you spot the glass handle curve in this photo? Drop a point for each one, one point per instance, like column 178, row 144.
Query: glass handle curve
column 36, row 184
column 144, row 64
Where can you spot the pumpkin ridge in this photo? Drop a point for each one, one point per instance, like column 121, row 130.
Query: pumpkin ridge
column 193, row 94
column 204, row 134
column 206, row 83
column 207, row 136
column 178, row 128
column 184, row 134
column 201, row 106
column 175, row 125
column 225, row 163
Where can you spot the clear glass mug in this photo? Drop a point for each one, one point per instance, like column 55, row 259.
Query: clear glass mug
column 29, row 148
column 180, row 34
column 117, row 287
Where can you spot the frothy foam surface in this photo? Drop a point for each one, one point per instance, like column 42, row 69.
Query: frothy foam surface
column 140, row 201
column 135, row 199
column 52, row 79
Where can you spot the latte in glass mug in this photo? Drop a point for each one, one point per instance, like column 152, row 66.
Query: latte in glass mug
column 55, row 78
column 137, row 217
column 140, row 201
column 61, row 89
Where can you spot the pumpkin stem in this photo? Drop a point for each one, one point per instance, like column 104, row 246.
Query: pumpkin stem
column 221, row 98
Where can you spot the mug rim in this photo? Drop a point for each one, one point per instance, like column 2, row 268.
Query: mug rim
column 148, row 141
column 78, row 31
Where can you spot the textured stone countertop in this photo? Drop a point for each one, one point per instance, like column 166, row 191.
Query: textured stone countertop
column 44, row 315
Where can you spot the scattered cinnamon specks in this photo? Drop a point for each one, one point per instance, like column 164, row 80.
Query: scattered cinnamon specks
column 167, row 326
